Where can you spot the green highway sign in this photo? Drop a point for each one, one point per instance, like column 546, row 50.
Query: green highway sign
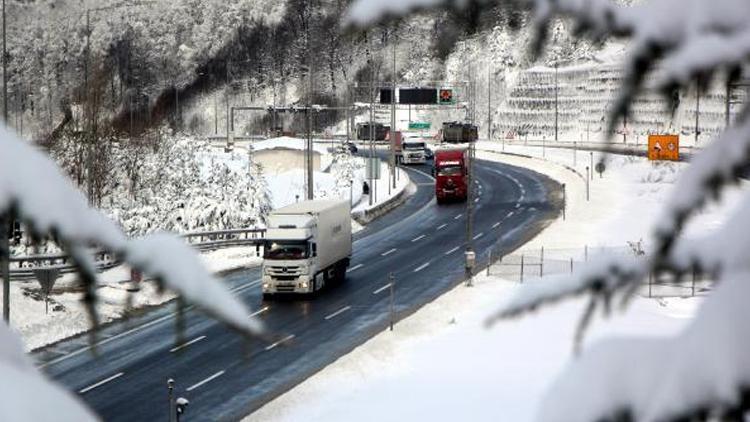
column 419, row 125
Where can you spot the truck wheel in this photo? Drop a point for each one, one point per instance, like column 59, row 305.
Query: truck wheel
column 341, row 273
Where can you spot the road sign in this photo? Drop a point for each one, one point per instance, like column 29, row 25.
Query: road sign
column 419, row 125
column 445, row 96
column 664, row 147
column 46, row 278
column 417, row 96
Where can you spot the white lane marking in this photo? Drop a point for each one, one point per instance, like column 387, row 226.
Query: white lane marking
column 510, row 214
column 381, row 289
column 184, row 345
column 458, row 216
column 478, row 236
column 131, row 331
column 245, row 286
column 494, row 226
column 100, row 383
column 354, row 268
column 260, row 311
column 386, row 253
column 209, row 379
column 476, row 200
column 441, row 227
column 452, row 250
column 421, row 267
column 337, row 313
column 418, row 238
column 283, row 340
column 518, row 206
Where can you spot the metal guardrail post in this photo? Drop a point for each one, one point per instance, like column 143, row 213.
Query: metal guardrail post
column 521, row 268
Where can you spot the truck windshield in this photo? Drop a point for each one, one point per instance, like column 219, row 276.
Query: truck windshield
column 413, row 145
column 286, row 249
column 449, row 170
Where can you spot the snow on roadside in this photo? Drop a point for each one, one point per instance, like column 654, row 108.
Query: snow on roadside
column 442, row 353
column 67, row 316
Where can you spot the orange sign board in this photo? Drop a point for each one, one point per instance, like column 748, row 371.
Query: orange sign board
column 664, row 147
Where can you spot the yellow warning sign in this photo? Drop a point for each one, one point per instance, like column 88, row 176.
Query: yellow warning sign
column 664, row 147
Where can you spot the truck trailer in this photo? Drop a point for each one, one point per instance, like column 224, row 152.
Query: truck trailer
column 458, row 133
column 451, row 175
column 308, row 245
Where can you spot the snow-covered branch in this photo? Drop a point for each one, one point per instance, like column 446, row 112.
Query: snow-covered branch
column 27, row 394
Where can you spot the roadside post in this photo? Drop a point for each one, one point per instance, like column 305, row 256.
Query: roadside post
column 172, row 408
column 565, row 201
column 588, row 170
column 471, row 258
column 181, row 405
column 392, row 282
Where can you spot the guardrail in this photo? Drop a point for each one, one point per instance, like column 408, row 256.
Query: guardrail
column 22, row 267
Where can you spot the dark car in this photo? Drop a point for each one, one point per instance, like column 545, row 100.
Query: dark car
column 352, row 148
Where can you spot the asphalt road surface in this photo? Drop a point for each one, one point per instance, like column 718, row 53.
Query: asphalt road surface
column 226, row 378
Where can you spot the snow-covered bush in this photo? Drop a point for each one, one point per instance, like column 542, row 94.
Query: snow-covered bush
column 174, row 183
column 704, row 372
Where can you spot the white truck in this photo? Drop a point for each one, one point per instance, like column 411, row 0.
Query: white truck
column 413, row 152
column 308, row 244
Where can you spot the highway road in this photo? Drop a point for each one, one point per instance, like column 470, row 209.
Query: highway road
column 226, row 378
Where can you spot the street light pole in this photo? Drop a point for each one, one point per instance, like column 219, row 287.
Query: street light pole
column 308, row 150
column 393, row 119
column 697, row 109
column 489, row 103
column 5, row 72
column 556, row 101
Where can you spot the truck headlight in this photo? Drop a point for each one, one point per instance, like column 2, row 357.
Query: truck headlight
column 266, row 286
column 303, row 285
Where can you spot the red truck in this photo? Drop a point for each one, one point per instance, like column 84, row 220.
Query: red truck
column 450, row 175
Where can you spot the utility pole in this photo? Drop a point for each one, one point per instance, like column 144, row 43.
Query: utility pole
column 556, row 101
column 470, row 254
column 697, row 108
column 309, row 148
column 4, row 246
column 489, row 103
column 371, row 164
column 727, row 94
column 5, row 72
column 393, row 118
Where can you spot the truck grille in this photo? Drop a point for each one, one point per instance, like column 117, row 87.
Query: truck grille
column 285, row 288
column 283, row 271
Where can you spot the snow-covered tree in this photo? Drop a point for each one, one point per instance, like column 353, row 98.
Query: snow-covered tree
column 704, row 372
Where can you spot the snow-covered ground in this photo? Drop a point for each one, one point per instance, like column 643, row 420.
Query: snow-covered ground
column 442, row 364
column 67, row 316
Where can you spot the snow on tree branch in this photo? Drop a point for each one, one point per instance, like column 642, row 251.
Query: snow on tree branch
column 27, row 394
column 33, row 187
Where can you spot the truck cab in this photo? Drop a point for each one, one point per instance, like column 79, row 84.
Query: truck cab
column 413, row 151
column 308, row 245
column 451, row 175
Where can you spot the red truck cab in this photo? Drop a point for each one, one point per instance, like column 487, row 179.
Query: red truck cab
column 450, row 175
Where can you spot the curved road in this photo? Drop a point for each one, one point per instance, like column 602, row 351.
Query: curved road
column 226, row 378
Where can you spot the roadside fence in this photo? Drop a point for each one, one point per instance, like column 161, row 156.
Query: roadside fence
column 22, row 267
column 534, row 264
